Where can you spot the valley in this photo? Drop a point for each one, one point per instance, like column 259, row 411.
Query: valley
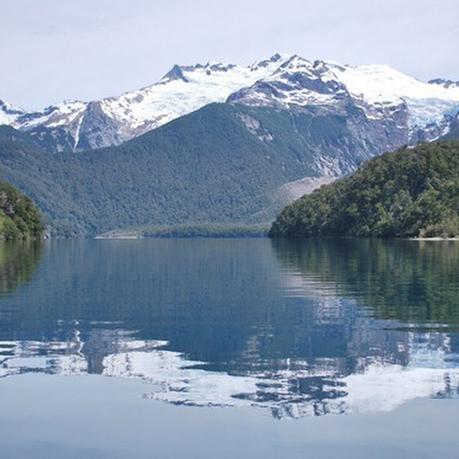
column 215, row 143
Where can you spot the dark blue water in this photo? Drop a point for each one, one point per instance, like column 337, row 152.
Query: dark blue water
column 265, row 329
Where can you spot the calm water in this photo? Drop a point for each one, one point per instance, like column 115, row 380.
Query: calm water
column 101, row 339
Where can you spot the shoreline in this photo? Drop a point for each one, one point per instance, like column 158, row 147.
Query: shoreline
column 434, row 238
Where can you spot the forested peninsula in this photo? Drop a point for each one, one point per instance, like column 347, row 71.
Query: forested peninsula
column 412, row 192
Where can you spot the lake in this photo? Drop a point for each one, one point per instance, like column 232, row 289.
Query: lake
column 221, row 348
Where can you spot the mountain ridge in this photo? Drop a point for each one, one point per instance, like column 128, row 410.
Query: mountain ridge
column 292, row 81
column 221, row 164
column 237, row 161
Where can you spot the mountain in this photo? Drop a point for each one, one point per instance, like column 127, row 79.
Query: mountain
column 79, row 126
column 225, row 163
column 444, row 82
column 453, row 132
column 203, row 167
column 415, row 110
column 169, row 154
column 411, row 192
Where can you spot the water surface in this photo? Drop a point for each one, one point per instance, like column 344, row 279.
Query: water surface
column 301, row 331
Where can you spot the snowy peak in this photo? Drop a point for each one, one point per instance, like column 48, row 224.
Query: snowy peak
column 182, row 90
column 284, row 81
column 55, row 115
column 187, row 72
column 378, row 89
column 9, row 114
column 445, row 83
column 270, row 63
column 175, row 73
column 296, row 82
column 381, row 83
column 373, row 83
column 383, row 86
column 294, row 64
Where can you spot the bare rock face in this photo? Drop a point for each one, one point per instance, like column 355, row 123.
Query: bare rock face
column 96, row 129
column 444, row 82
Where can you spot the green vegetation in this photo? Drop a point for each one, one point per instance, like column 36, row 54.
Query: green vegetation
column 19, row 218
column 413, row 192
column 205, row 230
column 200, row 168
column 219, row 164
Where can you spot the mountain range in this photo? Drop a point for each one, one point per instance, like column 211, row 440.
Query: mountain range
column 422, row 111
column 216, row 142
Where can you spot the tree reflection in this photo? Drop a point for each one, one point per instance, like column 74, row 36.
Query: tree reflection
column 408, row 281
column 18, row 261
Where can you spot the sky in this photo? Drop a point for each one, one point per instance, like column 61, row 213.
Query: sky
column 52, row 50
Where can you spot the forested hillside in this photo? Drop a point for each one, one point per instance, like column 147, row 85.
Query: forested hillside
column 408, row 193
column 19, row 218
column 221, row 164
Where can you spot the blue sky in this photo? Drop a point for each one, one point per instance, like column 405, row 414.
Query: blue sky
column 52, row 50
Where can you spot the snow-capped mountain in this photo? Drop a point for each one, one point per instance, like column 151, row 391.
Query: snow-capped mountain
column 378, row 90
column 9, row 115
column 424, row 110
column 444, row 82
column 79, row 125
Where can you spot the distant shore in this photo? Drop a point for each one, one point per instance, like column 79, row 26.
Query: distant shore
column 224, row 232
column 186, row 231
column 434, row 238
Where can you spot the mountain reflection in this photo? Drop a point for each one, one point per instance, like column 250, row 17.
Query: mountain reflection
column 300, row 329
